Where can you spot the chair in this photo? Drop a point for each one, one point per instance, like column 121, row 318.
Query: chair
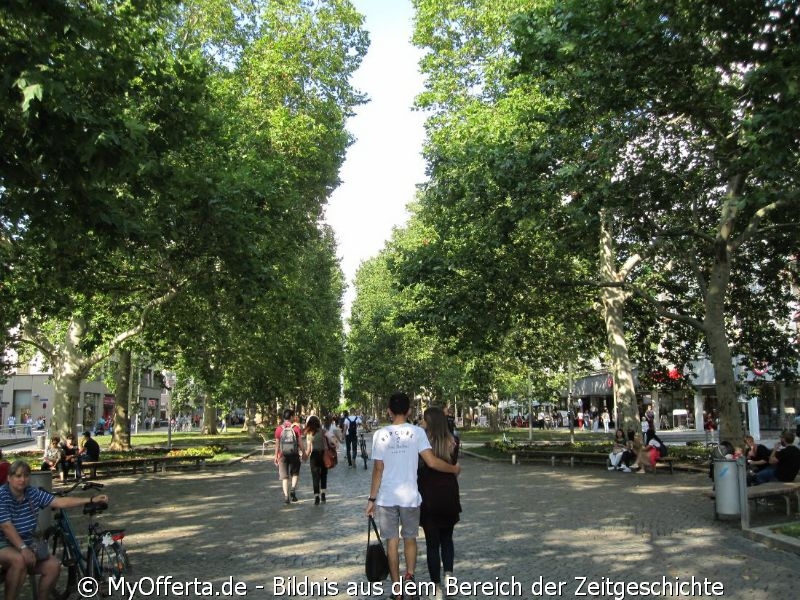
column 264, row 443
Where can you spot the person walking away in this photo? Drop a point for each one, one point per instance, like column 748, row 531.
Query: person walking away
column 315, row 443
column 288, row 451
column 441, row 505
column 350, row 425
column 394, row 497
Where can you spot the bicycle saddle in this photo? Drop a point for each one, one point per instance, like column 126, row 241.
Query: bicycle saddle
column 94, row 507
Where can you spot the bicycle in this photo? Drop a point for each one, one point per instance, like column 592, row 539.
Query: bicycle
column 362, row 445
column 105, row 558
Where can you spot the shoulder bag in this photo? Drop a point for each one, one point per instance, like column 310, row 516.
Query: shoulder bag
column 376, row 565
column 329, row 456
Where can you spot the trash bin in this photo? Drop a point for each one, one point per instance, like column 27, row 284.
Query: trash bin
column 730, row 487
column 44, row 480
column 41, row 439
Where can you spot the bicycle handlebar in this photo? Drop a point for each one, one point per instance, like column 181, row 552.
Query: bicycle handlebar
column 86, row 486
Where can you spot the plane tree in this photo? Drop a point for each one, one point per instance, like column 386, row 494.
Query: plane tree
column 687, row 118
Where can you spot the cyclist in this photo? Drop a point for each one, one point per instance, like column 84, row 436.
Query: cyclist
column 19, row 512
column 350, row 426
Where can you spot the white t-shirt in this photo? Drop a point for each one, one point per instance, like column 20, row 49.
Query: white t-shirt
column 399, row 446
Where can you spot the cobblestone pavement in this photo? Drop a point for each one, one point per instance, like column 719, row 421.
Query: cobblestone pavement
column 524, row 523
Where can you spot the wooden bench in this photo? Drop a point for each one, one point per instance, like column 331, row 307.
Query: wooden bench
column 786, row 490
column 580, row 458
column 143, row 463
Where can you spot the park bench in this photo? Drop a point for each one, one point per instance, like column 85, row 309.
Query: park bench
column 786, row 490
column 576, row 457
column 143, row 463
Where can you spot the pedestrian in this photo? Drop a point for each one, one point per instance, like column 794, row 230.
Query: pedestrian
column 606, row 420
column 350, row 426
column 394, row 497
column 315, row 442
column 333, row 432
column 650, row 416
column 441, row 505
column 288, row 449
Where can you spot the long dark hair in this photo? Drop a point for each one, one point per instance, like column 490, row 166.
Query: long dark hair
column 442, row 441
column 312, row 425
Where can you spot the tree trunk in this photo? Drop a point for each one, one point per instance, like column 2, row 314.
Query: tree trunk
column 209, row 417
column 714, row 328
column 614, row 312
column 120, row 436
column 69, row 369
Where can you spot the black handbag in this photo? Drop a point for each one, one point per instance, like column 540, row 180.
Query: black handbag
column 376, row 565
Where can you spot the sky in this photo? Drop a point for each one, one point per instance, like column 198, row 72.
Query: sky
column 385, row 163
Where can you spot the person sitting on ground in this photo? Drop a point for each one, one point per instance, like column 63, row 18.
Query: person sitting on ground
column 51, row 461
column 784, row 461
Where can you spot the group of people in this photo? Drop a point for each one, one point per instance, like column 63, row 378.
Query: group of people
column 629, row 454
column 414, row 481
column 782, row 463
column 294, row 445
column 66, row 456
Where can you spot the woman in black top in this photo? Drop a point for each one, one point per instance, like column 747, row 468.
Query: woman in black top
column 440, row 508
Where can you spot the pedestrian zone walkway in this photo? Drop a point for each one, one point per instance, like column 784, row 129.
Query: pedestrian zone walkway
column 526, row 532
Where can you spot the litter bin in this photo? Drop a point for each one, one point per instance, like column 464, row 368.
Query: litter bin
column 730, row 488
column 44, row 480
column 41, row 439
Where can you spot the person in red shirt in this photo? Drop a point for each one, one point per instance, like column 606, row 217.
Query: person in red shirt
column 289, row 451
column 4, row 465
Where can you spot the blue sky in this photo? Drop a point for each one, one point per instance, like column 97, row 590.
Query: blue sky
column 384, row 165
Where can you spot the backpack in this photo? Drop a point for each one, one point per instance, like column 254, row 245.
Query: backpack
column 662, row 449
column 288, row 441
column 352, row 426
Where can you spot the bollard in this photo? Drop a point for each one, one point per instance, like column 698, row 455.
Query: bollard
column 513, row 459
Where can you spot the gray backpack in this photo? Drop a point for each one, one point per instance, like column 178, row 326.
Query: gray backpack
column 288, row 441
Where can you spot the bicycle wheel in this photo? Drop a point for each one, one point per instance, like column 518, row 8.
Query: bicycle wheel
column 364, row 453
column 66, row 585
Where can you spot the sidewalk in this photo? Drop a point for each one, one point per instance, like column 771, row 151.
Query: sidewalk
column 525, row 524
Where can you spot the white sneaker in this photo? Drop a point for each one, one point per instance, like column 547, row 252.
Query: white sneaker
column 626, row 469
column 612, row 468
column 438, row 594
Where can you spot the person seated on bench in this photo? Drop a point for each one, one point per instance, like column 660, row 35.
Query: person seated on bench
column 51, row 461
column 654, row 450
column 69, row 456
column 621, row 456
column 784, row 461
column 757, row 455
column 90, row 452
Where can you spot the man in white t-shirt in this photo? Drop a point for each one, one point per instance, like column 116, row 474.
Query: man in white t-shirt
column 394, row 498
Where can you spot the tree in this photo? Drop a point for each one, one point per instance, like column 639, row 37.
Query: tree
column 688, row 112
column 215, row 176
